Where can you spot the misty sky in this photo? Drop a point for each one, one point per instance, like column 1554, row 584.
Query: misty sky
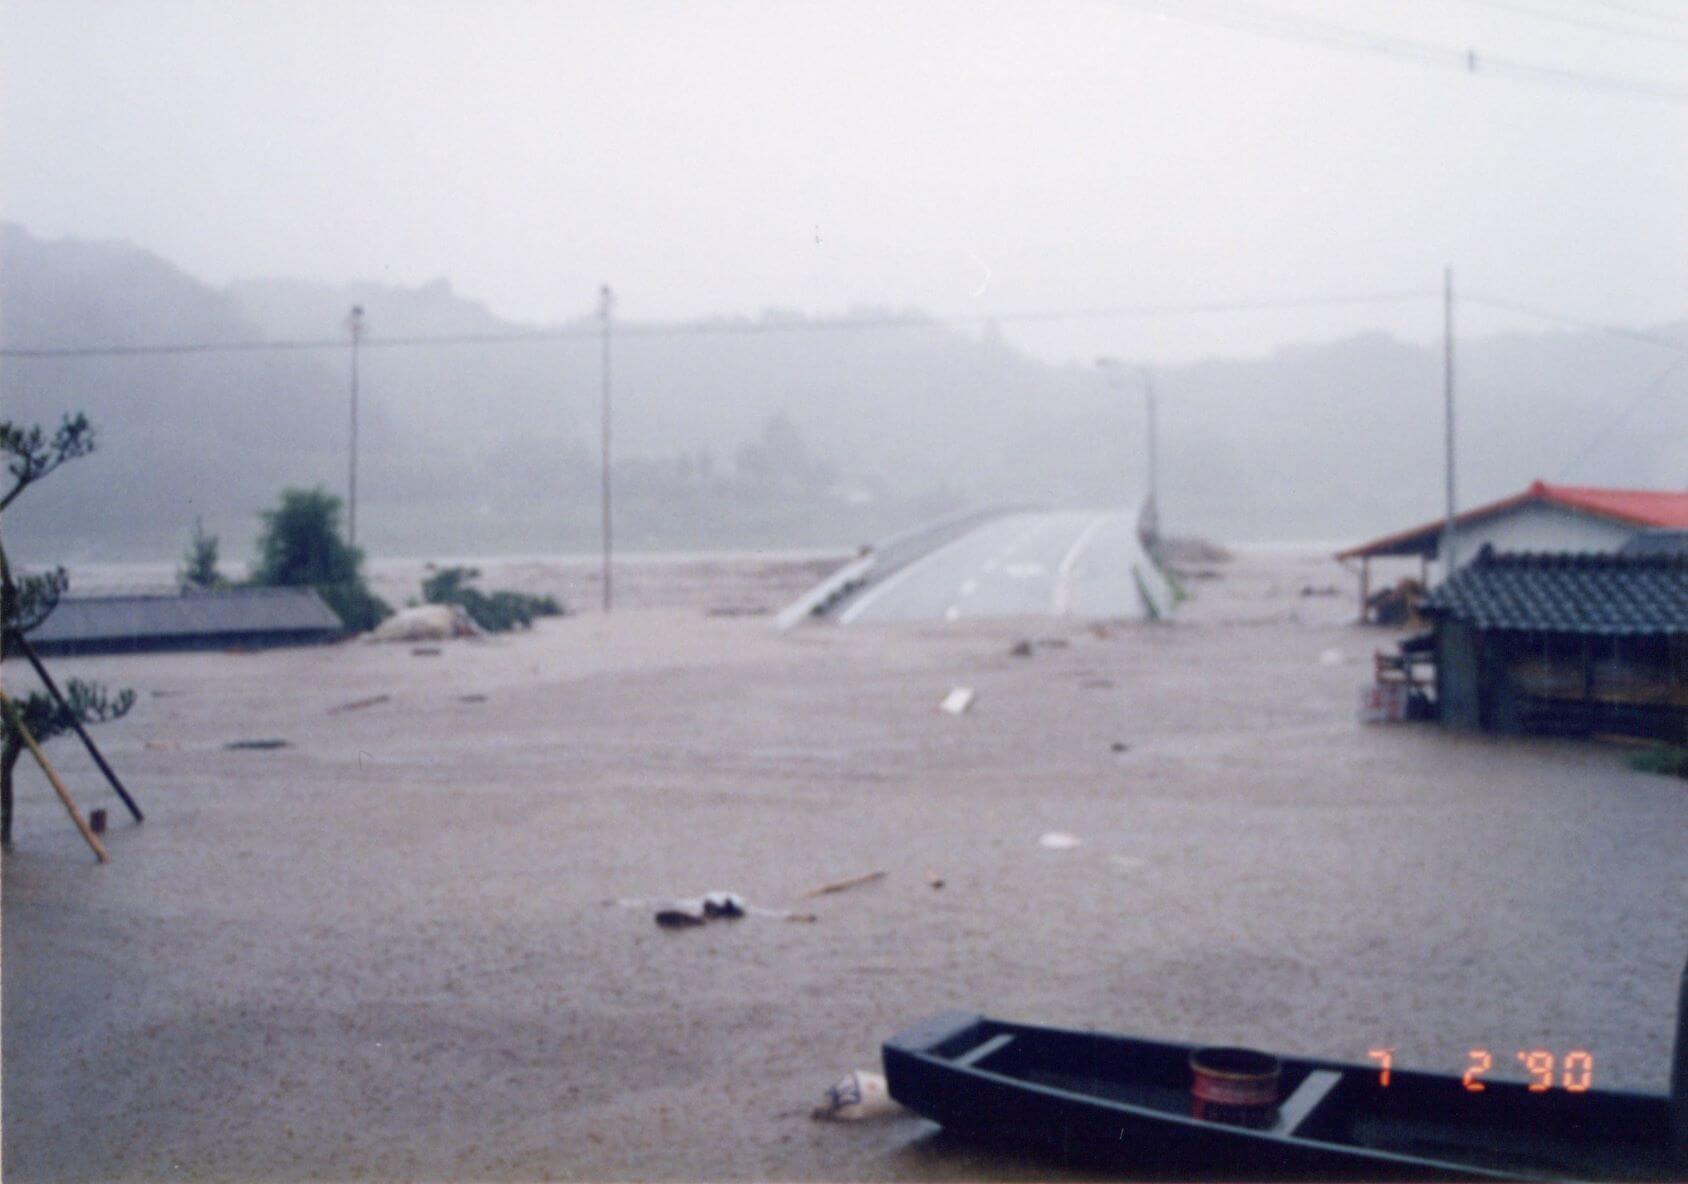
column 965, row 158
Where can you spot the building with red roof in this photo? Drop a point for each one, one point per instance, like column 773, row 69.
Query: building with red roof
column 1579, row 519
column 1543, row 517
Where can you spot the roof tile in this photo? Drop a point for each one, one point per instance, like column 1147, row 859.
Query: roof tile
column 1606, row 595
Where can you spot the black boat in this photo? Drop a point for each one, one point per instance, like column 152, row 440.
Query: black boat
column 1127, row 1103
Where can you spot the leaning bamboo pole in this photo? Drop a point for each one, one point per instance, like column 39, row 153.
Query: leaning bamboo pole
column 15, row 718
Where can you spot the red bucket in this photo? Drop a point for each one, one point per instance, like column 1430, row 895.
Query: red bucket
column 1238, row 1086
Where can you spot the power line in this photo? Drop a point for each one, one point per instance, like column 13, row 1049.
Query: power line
column 1578, row 22
column 706, row 328
column 1644, row 13
column 1652, row 388
column 278, row 345
column 1281, row 26
column 1578, row 322
column 591, row 332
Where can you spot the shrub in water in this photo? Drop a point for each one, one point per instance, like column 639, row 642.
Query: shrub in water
column 495, row 612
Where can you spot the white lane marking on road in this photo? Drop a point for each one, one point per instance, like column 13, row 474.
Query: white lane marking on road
column 970, row 586
column 1013, row 570
column 897, row 577
column 1063, row 601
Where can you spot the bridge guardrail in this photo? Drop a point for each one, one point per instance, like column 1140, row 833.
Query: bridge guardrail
column 883, row 559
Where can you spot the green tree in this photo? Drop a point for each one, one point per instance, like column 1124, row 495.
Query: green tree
column 26, row 601
column 301, row 546
column 199, row 566
column 31, row 454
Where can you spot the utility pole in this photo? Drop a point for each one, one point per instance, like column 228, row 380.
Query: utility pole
column 354, row 324
column 1450, row 559
column 606, row 305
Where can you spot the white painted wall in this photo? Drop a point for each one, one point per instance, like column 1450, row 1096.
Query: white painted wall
column 1539, row 527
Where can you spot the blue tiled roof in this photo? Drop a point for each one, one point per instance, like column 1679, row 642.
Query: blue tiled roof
column 1604, row 595
column 1657, row 542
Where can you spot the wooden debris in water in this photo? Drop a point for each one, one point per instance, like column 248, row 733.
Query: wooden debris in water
column 842, row 885
column 737, row 610
column 861, row 1094
column 359, row 704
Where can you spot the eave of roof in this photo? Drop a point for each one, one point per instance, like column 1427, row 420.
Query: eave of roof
column 1632, row 507
column 1655, row 508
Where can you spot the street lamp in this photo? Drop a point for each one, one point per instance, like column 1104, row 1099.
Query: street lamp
column 1114, row 366
column 354, row 326
column 606, row 310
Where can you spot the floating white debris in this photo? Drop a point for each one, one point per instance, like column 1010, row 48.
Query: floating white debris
column 723, row 904
column 861, row 1094
column 958, row 700
column 1058, row 840
column 427, row 622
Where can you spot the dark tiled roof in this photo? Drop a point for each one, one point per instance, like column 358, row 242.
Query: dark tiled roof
column 1608, row 595
column 1657, row 542
column 198, row 614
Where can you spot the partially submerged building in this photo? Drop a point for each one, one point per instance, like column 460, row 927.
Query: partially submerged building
column 1564, row 643
column 1543, row 518
column 236, row 618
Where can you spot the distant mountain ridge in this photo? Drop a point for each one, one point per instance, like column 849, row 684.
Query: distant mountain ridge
column 734, row 439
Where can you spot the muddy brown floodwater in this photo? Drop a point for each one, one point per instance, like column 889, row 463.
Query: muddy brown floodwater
column 390, row 949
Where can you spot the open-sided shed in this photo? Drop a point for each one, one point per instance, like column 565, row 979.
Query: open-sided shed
column 1542, row 518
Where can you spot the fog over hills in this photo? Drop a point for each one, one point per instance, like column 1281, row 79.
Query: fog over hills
column 773, row 432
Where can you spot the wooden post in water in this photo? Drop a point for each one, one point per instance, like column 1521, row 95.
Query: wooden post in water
column 1679, row 1072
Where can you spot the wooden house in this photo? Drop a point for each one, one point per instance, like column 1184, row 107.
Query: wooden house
column 1564, row 643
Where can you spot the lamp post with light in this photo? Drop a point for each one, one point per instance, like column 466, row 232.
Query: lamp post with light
column 354, row 326
column 1114, row 366
column 606, row 310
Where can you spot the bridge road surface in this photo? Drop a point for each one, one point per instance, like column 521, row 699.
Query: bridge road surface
column 1059, row 563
